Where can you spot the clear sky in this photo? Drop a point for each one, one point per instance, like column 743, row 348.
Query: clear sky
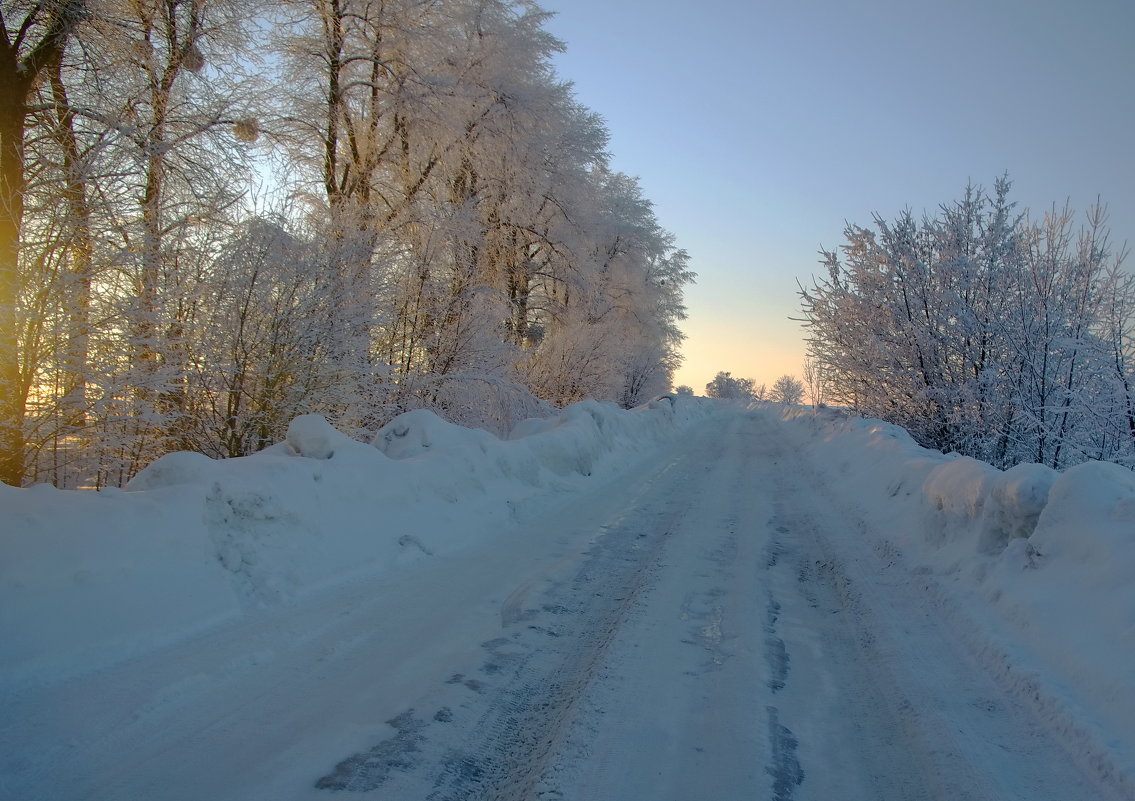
column 758, row 127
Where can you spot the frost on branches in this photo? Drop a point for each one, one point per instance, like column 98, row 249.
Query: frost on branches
column 726, row 387
column 356, row 210
column 788, row 390
column 984, row 331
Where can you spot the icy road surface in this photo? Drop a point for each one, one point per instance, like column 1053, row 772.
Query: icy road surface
column 710, row 626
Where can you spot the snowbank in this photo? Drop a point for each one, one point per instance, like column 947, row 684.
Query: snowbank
column 1032, row 567
column 1089, row 521
column 89, row 578
column 959, row 507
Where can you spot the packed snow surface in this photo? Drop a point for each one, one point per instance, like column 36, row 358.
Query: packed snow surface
column 683, row 600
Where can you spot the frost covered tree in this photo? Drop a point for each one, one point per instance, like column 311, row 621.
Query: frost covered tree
column 788, row 390
column 438, row 227
column 725, row 386
column 33, row 36
column 609, row 317
column 982, row 330
column 497, row 245
column 144, row 126
column 815, row 381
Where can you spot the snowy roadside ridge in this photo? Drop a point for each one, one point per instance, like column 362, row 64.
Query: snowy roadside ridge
column 1029, row 567
column 88, row 579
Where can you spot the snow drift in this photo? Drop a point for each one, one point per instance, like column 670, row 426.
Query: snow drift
column 90, row 578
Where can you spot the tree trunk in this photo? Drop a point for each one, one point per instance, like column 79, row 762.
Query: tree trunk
column 14, row 86
column 17, row 75
column 12, row 397
column 77, row 297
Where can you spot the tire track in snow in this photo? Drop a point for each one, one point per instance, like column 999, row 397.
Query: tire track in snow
column 776, row 654
column 526, row 720
column 785, row 769
column 926, row 720
column 835, row 726
column 499, row 722
column 784, row 766
column 680, row 711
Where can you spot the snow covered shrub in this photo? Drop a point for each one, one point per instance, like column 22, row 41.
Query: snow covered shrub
column 955, row 494
column 1016, row 499
column 421, row 431
column 179, row 467
column 1090, row 519
column 312, row 436
column 486, row 402
column 983, row 331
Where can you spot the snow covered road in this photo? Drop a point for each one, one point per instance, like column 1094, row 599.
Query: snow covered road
column 768, row 658
column 711, row 625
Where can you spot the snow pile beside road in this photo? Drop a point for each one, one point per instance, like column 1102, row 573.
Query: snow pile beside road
column 90, row 578
column 1033, row 567
column 956, row 507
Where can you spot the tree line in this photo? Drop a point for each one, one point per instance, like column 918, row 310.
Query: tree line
column 787, row 389
column 216, row 215
column 982, row 330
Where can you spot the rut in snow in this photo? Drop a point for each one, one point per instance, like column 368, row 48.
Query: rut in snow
column 521, row 697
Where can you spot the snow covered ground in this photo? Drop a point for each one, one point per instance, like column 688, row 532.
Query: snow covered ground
column 1031, row 569
column 92, row 578
column 682, row 601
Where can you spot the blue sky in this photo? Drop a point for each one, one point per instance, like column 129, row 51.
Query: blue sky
column 758, row 128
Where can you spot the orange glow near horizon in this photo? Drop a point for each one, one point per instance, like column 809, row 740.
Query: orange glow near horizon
column 760, row 349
